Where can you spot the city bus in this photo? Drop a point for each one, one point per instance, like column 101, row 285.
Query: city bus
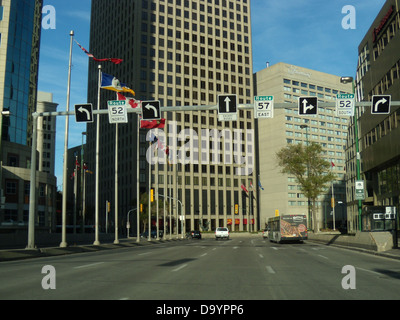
column 287, row 228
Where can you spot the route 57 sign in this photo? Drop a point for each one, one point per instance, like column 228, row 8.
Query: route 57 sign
column 263, row 107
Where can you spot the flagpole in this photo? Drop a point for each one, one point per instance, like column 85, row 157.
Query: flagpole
column 156, row 191
column 165, row 182
column 149, row 199
column 116, row 241
column 63, row 243
column 96, row 241
column 137, row 181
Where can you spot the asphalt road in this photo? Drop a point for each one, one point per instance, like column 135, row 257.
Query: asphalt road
column 237, row 269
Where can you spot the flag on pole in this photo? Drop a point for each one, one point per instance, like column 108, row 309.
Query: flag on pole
column 153, row 124
column 110, row 82
column 132, row 102
column 113, row 60
column 259, row 185
column 332, row 164
column 244, row 188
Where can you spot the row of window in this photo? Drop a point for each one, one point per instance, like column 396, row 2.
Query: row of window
column 299, row 84
column 391, row 77
column 389, row 124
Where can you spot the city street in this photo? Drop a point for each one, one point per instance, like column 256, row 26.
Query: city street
column 242, row 268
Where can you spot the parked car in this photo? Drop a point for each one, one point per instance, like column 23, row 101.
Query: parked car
column 153, row 234
column 222, row 233
column 265, row 233
column 194, row 234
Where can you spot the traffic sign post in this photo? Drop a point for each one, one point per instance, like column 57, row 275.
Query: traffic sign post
column 117, row 111
column 263, row 107
column 381, row 104
column 227, row 107
column 151, row 110
column 308, row 106
column 345, row 105
column 84, row 112
column 360, row 190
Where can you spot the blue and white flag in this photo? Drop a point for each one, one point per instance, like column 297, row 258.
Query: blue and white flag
column 110, row 82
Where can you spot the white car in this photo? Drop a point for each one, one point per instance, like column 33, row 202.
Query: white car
column 265, row 233
column 221, row 233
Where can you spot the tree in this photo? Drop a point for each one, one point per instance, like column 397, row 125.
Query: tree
column 310, row 169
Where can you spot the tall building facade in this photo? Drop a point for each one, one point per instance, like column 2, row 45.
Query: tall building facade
column 286, row 83
column 378, row 72
column 20, row 26
column 182, row 53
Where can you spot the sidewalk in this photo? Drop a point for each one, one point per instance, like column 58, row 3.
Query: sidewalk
column 20, row 254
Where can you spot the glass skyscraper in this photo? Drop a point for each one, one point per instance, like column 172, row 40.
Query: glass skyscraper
column 20, row 38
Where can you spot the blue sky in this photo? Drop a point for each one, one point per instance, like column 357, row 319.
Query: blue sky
column 306, row 33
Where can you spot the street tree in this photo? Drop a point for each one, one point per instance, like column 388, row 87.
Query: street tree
column 311, row 170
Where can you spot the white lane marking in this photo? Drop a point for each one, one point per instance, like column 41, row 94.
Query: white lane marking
column 323, row 257
column 204, row 254
column 88, row 265
column 274, row 248
column 270, row 270
column 179, row 268
column 144, row 253
column 370, row 271
column 261, row 256
column 235, row 247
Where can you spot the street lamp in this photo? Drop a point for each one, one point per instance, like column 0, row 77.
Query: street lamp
column 305, row 126
column 346, row 80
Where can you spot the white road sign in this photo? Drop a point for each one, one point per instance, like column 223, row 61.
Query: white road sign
column 345, row 105
column 263, row 107
column 117, row 111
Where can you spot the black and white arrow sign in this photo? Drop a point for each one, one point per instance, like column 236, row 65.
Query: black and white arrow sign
column 84, row 112
column 308, row 105
column 227, row 107
column 151, row 110
column 381, row 104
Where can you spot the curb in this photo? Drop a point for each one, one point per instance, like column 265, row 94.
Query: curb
column 22, row 254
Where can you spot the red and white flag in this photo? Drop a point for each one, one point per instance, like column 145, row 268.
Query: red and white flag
column 113, row 60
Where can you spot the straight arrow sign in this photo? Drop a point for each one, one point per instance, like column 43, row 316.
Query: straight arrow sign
column 227, row 107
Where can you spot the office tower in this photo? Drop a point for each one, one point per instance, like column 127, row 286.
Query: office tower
column 20, row 23
column 378, row 73
column 286, row 83
column 182, row 53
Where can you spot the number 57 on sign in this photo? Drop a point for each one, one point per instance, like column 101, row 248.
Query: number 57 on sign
column 263, row 107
